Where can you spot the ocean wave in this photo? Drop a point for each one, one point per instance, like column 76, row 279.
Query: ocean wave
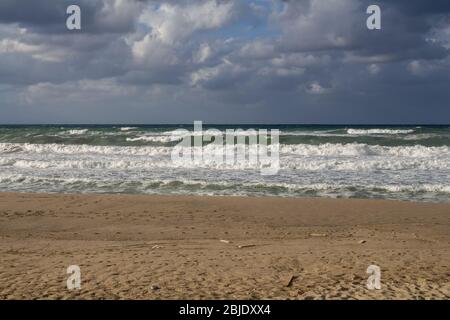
column 378, row 131
column 128, row 128
column 187, row 186
column 286, row 163
column 414, row 188
column 135, row 136
column 327, row 149
column 163, row 139
column 363, row 162
column 76, row 132
column 331, row 157
column 73, row 149
column 359, row 149
column 361, row 165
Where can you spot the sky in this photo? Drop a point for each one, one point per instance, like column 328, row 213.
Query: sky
column 225, row 61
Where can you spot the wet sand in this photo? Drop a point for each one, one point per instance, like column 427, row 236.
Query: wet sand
column 164, row 247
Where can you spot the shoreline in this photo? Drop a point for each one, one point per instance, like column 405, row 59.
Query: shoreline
column 169, row 247
column 231, row 196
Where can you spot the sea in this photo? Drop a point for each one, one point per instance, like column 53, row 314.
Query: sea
column 347, row 161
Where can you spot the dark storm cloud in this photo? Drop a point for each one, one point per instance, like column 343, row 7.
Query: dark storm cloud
column 33, row 13
column 226, row 61
column 340, row 25
column 407, row 29
column 49, row 16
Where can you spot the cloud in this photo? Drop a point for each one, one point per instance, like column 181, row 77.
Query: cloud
column 268, row 59
column 49, row 16
column 223, row 76
column 319, row 25
column 40, row 52
column 171, row 23
column 373, row 68
column 316, row 88
column 203, row 54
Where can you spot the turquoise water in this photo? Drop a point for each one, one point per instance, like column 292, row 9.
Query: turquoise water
column 392, row 162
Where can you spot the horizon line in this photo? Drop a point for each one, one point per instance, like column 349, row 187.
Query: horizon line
column 224, row 124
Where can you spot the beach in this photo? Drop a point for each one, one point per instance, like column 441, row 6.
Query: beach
column 227, row 247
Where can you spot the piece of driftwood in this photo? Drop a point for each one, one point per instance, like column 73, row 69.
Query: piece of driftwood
column 246, row 246
column 287, row 280
column 318, row 234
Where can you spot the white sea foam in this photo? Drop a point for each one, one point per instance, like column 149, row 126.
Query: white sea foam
column 76, row 132
column 337, row 157
column 332, row 169
column 148, row 138
column 327, row 149
column 81, row 149
column 227, row 187
column 358, row 149
column 176, row 135
column 287, row 163
column 128, row 128
column 323, row 133
column 378, row 131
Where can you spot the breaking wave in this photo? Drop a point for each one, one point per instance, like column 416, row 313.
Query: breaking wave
column 378, row 131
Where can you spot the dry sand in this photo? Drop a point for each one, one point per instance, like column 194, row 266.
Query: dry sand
column 158, row 247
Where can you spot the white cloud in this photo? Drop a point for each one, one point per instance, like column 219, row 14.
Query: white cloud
column 224, row 72
column 172, row 22
column 118, row 14
column 421, row 68
column 74, row 91
column 203, row 53
column 373, row 68
column 15, row 46
column 258, row 50
column 281, row 72
column 152, row 51
column 351, row 57
column 22, row 41
column 39, row 52
column 301, row 60
column 316, row 88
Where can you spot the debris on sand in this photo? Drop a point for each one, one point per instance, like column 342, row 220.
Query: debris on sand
column 246, row 246
column 155, row 287
column 362, row 241
column 318, row 234
column 225, row 241
column 287, row 280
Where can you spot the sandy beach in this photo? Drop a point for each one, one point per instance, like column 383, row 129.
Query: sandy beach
column 164, row 247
